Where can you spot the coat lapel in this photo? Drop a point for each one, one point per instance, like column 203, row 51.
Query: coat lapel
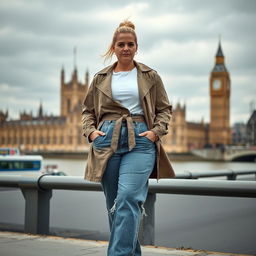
column 104, row 85
column 144, row 82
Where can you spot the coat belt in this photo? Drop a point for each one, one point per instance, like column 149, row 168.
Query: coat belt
column 116, row 132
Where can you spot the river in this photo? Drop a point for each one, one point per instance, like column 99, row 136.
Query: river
column 198, row 222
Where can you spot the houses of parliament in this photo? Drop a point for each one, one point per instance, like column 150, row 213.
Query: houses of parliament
column 63, row 133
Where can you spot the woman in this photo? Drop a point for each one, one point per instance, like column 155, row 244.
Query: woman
column 126, row 112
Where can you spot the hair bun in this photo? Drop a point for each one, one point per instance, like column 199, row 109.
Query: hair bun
column 127, row 23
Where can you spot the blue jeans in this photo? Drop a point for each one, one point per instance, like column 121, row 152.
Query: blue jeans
column 125, row 185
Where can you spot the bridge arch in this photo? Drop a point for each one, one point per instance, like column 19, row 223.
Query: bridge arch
column 243, row 157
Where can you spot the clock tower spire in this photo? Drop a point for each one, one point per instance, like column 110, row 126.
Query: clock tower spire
column 220, row 133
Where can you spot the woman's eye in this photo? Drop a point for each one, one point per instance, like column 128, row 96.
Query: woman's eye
column 121, row 45
column 130, row 45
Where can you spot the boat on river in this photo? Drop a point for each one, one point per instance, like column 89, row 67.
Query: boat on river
column 11, row 162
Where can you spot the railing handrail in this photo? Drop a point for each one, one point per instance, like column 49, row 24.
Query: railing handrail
column 166, row 186
column 186, row 175
column 213, row 173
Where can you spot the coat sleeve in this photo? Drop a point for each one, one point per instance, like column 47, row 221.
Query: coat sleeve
column 88, row 113
column 163, row 110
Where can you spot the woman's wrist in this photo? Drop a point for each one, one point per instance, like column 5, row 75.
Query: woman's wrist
column 90, row 137
column 156, row 136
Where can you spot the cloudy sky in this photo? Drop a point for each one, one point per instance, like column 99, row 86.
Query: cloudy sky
column 178, row 38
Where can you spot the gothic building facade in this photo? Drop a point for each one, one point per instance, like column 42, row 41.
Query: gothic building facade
column 64, row 132
column 185, row 136
column 220, row 132
column 47, row 132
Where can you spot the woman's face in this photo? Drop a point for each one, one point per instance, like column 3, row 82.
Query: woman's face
column 125, row 47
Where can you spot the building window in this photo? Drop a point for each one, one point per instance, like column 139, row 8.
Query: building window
column 68, row 105
column 79, row 140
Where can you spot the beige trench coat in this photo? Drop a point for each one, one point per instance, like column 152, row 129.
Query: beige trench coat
column 157, row 114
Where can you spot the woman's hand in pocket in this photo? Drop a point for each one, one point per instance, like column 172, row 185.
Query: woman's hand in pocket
column 95, row 134
column 150, row 135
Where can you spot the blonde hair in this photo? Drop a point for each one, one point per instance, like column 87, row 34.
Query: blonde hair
column 124, row 27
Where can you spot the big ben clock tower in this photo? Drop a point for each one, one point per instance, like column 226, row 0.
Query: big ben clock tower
column 220, row 102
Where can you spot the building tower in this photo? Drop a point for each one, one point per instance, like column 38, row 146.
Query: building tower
column 73, row 92
column 220, row 132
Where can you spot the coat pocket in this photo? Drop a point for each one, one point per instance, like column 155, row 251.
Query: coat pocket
column 96, row 163
column 103, row 141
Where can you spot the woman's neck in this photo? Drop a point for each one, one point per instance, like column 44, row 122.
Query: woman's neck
column 124, row 67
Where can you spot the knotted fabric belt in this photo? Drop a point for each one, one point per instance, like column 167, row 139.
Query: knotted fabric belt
column 116, row 132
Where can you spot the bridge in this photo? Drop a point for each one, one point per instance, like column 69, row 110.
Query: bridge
column 227, row 153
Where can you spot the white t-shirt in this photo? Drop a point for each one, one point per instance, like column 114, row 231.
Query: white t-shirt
column 125, row 90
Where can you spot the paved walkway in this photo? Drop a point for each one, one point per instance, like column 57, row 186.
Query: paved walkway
column 20, row 244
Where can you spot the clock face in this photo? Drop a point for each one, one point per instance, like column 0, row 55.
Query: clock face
column 216, row 84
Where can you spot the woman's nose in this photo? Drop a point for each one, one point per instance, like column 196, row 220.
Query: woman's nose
column 126, row 47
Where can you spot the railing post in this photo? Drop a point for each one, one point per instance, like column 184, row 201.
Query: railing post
column 231, row 176
column 147, row 227
column 37, row 207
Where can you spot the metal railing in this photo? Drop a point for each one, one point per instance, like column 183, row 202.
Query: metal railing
column 230, row 174
column 37, row 192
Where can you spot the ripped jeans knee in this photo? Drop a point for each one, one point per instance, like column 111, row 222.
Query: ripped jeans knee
column 141, row 205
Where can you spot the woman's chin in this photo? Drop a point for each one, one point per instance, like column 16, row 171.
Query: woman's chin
column 125, row 59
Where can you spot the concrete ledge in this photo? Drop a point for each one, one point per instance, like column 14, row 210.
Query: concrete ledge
column 20, row 244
